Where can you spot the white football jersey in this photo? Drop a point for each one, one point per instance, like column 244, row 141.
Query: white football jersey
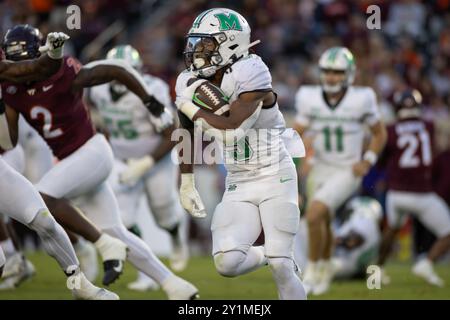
column 132, row 135
column 338, row 132
column 258, row 153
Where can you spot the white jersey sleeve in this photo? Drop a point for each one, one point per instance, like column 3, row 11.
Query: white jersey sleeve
column 252, row 75
column 303, row 115
column 372, row 114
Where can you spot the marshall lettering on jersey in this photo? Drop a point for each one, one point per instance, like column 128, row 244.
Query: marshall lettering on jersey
column 50, row 107
column 409, row 156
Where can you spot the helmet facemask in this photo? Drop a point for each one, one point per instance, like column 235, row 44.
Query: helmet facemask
column 201, row 54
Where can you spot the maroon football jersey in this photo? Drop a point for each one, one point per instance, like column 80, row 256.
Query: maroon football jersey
column 409, row 156
column 50, row 107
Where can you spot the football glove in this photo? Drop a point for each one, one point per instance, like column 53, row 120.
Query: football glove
column 189, row 197
column 136, row 169
column 54, row 45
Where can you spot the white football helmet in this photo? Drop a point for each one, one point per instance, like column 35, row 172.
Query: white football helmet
column 366, row 207
column 218, row 37
column 339, row 59
column 128, row 54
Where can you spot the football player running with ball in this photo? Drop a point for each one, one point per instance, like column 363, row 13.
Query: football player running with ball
column 261, row 182
column 336, row 113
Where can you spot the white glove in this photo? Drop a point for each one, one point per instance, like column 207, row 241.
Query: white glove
column 136, row 168
column 162, row 122
column 184, row 101
column 54, row 45
column 189, row 197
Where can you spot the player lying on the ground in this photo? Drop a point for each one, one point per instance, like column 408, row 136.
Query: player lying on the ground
column 143, row 164
column 21, row 201
column 261, row 188
column 409, row 160
column 336, row 113
column 356, row 238
column 54, row 107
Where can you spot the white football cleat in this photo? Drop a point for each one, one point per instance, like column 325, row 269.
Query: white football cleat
column 87, row 255
column 424, row 269
column 87, row 291
column 177, row 288
column 143, row 283
column 17, row 270
column 114, row 253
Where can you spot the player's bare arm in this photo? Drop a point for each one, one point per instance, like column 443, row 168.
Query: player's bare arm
column 29, row 70
column 240, row 110
column 103, row 71
column 376, row 145
column 243, row 108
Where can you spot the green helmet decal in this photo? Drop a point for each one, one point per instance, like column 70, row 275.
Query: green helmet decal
column 332, row 54
column 199, row 18
column 228, row 22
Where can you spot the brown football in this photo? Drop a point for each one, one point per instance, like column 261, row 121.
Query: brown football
column 211, row 98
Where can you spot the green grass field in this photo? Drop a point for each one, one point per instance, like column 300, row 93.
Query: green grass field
column 49, row 283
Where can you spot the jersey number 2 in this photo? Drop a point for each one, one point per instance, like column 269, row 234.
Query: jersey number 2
column 409, row 157
column 47, row 130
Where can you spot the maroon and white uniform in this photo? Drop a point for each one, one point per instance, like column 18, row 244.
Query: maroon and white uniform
column 62, row 119
column 409, row 158
column 49, row 106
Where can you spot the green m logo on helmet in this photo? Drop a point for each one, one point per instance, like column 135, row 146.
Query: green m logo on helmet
column 228, row 22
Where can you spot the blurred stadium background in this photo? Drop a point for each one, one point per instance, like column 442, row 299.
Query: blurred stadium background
column 412, row 48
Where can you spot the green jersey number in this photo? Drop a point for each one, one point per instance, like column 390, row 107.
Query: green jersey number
column 121, row 128
column 242, row 150
column 329, row 133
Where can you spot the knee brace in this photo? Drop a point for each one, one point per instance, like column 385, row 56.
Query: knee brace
column 227, row 262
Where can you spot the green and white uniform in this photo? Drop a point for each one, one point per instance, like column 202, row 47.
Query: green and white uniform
column 339, row 134
column 261, row 186
column 132, row 135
